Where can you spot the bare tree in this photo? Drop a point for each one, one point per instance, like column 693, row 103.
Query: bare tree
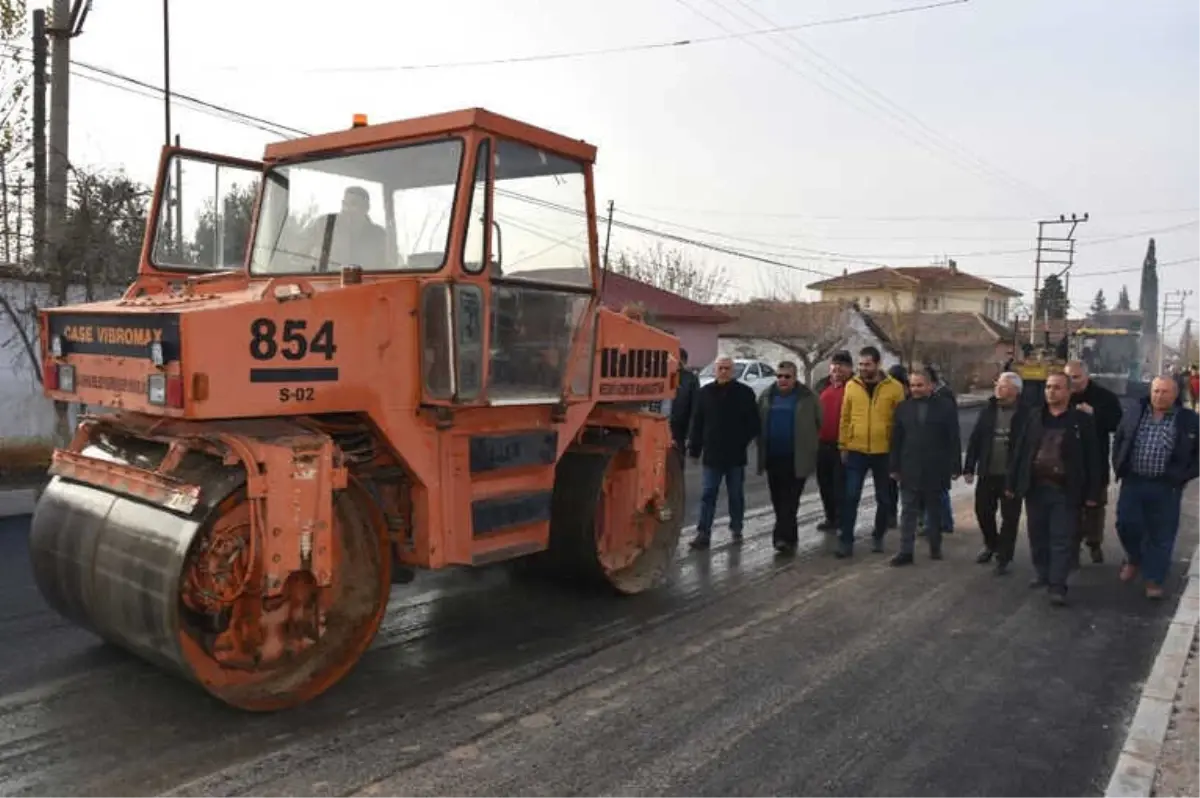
column 672, row 270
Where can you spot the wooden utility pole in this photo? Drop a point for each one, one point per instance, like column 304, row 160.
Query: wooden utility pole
column 57, row 157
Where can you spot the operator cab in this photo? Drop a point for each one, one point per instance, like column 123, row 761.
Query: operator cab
column 434, row 198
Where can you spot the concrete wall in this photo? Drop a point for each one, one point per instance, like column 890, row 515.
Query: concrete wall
column 700, row 340
column 25, row 414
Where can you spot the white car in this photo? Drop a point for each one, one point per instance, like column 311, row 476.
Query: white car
column 758, row 374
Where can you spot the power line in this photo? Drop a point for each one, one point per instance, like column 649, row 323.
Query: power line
column 629, row 48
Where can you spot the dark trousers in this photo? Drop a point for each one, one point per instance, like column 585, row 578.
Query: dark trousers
column 1147, row 523
column 710, row 485
column 1091, row 524
column 913, row 503
column 857, row 467
column 831, row 479
column 785, row 489
column 1052, row 519
column 989, row 496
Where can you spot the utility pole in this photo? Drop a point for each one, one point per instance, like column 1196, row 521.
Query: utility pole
column 1048, row 254
column 607, row 239
column 167, row 71
column 1174, row 303
column 39, row 141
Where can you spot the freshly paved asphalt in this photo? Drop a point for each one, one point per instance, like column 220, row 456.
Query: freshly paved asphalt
column 746, row 675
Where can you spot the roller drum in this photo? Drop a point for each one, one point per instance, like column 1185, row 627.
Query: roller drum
column 113, row 565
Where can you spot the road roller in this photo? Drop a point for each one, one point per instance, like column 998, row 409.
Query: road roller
column 377, row 350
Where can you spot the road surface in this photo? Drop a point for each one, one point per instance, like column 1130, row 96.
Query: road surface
column 747, row 675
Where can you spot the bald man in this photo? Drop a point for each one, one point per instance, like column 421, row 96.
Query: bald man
column 1155, row 454
column 1105, row 409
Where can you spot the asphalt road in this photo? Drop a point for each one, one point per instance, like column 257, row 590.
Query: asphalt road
column 747, row 675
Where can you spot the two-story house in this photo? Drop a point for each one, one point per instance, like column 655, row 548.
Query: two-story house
column 927, row 289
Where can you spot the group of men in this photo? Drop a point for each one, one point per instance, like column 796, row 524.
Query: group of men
column 1051, row 458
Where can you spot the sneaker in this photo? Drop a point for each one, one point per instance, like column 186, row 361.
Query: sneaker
column 1128, row 573
column 1154, row 592
column 700, row 542
column 1058, row 598
column 984, row 557
column 1038, row 581
column 901, row 559
column 843, row 551
column 737, row 537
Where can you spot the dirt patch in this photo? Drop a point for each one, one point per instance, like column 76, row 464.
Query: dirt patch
column 23, row 464
column 1179, row 768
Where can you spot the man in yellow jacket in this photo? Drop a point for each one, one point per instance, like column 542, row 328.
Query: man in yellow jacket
column 864, row 440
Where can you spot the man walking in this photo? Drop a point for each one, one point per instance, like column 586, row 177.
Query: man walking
column 864, row 439
column 723, row 425
column 683, row 406
column 1105, row 410
column 1155, row 454
column 830, row 473
column 989, row 455
column 925, row 456
column 1056, row 471
column 790, row 422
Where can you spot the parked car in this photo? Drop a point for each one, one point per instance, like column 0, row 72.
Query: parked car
column 758, row 374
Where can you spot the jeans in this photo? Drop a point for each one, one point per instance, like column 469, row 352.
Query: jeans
column 710, row 482
column 989, row 494
column 857, row 466
column 785, row 488
column 1052, row 520
column 946, row 512
column 913, row 502
column 1091, row 524
column 830, row 480
column 1147, row 523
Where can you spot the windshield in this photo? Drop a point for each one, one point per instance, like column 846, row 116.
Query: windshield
column 1110, row 354
column 205, row 210
column 709, row 371
column 383, row 210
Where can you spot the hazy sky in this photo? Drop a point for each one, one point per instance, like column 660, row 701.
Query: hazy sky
column 957, row 128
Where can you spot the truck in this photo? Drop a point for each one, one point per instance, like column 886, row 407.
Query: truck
column 403, row 371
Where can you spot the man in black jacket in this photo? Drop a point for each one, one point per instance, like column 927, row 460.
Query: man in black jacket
column 989, row 455
column 1156, row 452
column 1105, row 410
column 683, row 406
column 1056, row 471
column 925, row 456
column 724, row 424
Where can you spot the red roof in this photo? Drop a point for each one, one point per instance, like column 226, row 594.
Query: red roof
column 620, row 290
column 914, row 277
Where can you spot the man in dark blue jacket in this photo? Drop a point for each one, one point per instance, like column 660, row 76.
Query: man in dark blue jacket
column 1155, row 455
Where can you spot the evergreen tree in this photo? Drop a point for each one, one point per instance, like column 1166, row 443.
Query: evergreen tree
column 1123, row 299
column 1099, row 304
column 1053, row 300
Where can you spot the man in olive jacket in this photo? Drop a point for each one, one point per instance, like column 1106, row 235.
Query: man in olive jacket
column 790, row 418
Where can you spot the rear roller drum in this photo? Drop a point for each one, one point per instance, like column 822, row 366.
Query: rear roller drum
column 173, row 590
column 597, row 531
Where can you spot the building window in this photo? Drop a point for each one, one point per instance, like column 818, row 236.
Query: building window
column 867, row 302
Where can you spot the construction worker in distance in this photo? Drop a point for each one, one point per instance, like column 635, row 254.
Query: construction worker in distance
column 864, row 439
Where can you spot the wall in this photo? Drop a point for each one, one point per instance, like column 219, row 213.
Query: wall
column 24, row 412
column 870, row 299
column 700, row 340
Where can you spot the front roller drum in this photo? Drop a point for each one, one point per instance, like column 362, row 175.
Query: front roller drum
column 164, row 586
column 598, row 533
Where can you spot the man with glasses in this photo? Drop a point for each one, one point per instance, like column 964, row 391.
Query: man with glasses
column 790, row 425
column 724, row 423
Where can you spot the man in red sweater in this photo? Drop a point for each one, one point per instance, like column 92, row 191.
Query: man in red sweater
column 830, row 471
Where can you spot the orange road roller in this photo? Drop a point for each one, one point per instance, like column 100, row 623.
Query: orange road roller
column 377, row 350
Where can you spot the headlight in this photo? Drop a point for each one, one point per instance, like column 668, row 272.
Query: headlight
column 156, row 353
column 156, row 389
column 66, row 378
column 56, row 345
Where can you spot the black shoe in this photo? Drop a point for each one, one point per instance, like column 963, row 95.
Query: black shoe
column 1097, row 554
column 1001, row 567
column 737, row 537
column 785, row 548
column 843, row 551
column 984, row 557
column 935, row 554
column 877, row 545
column 1038, row 581
column 699, row 542
column 827, row 526
column 902, row 559
column 1058, row 598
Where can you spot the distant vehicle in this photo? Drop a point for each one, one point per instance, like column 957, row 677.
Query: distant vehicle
column 758, row 374
column 1112, row 355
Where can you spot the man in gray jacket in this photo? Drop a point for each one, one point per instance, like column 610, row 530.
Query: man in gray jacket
column 790, row 418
